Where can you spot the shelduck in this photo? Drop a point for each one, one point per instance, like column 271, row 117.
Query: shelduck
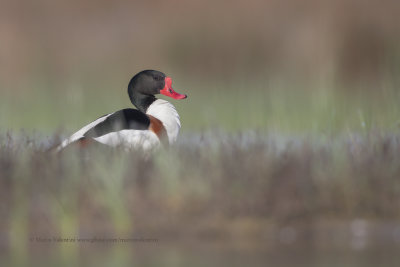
column 154, row 122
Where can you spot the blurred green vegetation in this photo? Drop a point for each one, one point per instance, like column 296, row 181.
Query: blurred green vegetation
column 231, row 106
column 245, row 194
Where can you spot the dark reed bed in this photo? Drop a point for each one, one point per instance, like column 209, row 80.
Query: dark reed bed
column 248, row 186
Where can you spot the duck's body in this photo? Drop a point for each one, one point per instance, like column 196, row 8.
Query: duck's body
column 155, row 122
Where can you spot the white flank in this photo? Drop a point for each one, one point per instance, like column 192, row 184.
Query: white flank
column 131, row 139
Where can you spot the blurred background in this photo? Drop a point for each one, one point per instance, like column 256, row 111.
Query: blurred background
column 290, row 134
column 276, row 65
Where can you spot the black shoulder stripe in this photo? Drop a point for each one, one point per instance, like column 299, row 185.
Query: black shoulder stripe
column 121, row 120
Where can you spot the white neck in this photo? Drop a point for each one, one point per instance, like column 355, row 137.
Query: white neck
column 167, row 114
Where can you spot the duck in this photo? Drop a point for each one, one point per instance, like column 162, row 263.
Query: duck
column 154, row 123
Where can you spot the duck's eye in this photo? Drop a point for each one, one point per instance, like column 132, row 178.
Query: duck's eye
column 170, row 91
